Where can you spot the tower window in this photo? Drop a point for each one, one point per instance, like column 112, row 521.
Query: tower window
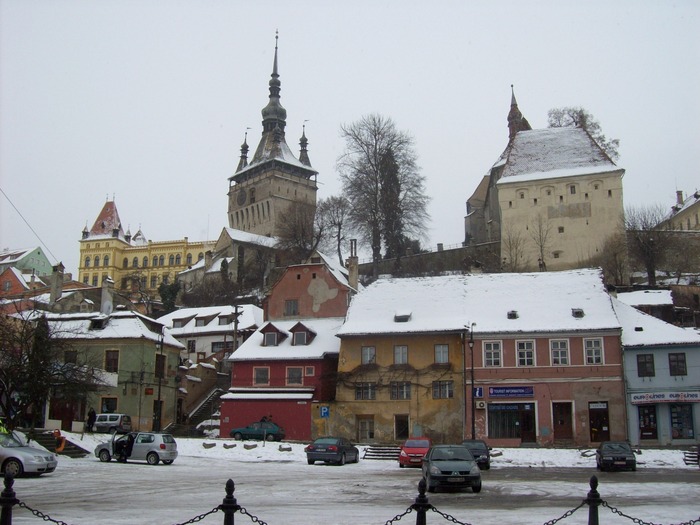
column 572, row 189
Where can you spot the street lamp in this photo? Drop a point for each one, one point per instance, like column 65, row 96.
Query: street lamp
column 471, row 355
column 160, row 369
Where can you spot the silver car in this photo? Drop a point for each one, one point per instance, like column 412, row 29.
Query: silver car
column 151, row 447
column 17, row 458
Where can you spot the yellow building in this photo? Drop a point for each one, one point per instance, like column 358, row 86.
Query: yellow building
column 136, row 265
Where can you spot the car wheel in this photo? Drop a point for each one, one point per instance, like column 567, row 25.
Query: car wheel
column 152, row 458
column 487, row 466
column 634, row 468
column 237, row 436
column 167, row 462
column 113, row 430
column 104, row 456
column 270, row 437
column 476, row 488
column 13, row 467
column 310, row 461
column 342, row 459
column 401, row 465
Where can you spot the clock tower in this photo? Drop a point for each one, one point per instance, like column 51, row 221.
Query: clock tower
column 260, row 191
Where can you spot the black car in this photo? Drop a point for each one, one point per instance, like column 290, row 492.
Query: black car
column 615, row 455
column 451, row 466
column 332, row 450
column 481, row 452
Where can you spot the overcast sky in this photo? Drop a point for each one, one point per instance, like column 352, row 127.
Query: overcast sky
column 148, row 101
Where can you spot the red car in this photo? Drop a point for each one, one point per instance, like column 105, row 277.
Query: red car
column 413, row 450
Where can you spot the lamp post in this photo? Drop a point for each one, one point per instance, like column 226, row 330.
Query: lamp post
column 471, row 355
column 160, row 369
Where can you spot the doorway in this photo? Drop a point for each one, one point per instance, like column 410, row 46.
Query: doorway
column 401, row 427
column 365, row 429
column 647, row 422
column 562, row 423
column 599, row 421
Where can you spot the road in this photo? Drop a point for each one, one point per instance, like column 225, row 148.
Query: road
column 87, row 492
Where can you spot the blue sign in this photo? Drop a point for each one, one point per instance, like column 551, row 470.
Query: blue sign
column 325, row 411
column 511, row 391
column 478, row 391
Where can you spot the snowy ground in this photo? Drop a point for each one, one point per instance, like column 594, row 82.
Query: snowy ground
column 280, row 488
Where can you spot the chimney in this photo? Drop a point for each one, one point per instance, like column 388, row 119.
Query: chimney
column 352, row 265
column 679, row 197
column 107, row 291
column 56, row 283
column 207, row 260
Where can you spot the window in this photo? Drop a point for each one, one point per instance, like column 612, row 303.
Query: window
column 291, row 307
column 368, row 355
column 87, row 262
column 191, row 346
column 155, row 260
column 161, row 260
column 365, row 391
column 112, row 361
column 160, row 366
column 309, row 371
column 400, row 390
column 106, row 260
column 560, row 229
column 294, row 375
column 109, row 405
column 94, row 280
column 178, row 259
column 572, row 189
column 400, row 354
column 676, row 365
column 534, row 201
column 189, row 259
column 299, row 338
column 560, row 352
column 70, row 356
column 200, row 322
column 145, row 262
column 492, row 353
column 154, row 281
column 221, row 346
column 171, row 259
column 443, row 389
column 261, row 376
column 271, row 339
column 442, row 354
column 645, row 365
column 594, row 351
column 97, row 261
column 526, row 353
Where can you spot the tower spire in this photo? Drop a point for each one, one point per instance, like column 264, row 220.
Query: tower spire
column 244, row 153
column 303, row 143
column 274, row 115
column 516, row 121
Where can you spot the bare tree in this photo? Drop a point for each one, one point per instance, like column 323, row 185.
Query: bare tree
column 334, row 213
column 540, row 232
column 513, row 250
column 612, row 258
column 378, row 156
column 580, row 118
column 648, row 244
column 301, row 230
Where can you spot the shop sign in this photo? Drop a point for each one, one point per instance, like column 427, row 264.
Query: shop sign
column 665, row 397
column 511, row 391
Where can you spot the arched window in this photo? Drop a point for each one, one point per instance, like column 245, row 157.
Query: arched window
column 87, row 262
column 200, row 256
column 178, row 259
column 97, row 261
column 155, row 260
column 106, row 262
column 171, row 259
column 125, row 263
column 135, row 262
column 145, row 262
column 161, row 260
column 189, row 259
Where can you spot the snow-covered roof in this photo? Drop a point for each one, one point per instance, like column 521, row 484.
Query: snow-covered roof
column 537, row 302
column 251, row 317
column 11, row 256
column 553, row 153
column 646, row 297
column 251, row 238
column 640, row 329
column 325, row 342
column 339, row 271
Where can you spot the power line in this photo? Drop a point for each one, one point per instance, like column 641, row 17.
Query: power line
column 29, row 225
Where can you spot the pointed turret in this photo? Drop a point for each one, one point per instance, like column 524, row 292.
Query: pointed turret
column 274, row 115
column 244, row 154
column 107, row 223
column 516, row 121
column 303, row 143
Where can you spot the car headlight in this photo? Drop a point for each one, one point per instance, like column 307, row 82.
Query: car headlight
column 435, row 470
column 475, row 470
column 40, row 459
column 607, row 458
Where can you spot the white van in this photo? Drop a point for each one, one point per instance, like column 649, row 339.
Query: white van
column 112, row 423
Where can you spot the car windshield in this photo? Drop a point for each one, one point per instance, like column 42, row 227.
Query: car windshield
column 617, row 447
column 451, row 454
column 167, row 438
column 417, row 443
column 9, row 441
column 475, row 446
column 326, row 441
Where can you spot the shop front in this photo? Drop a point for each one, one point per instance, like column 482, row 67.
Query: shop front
column 665, row 418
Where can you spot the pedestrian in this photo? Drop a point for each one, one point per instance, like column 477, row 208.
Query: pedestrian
column 91, row 419
column 3, row 428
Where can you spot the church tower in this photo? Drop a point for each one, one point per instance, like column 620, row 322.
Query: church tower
column 262, row 189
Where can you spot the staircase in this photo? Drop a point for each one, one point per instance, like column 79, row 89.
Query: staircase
column 208, row 406
column 690, row 456
column 385, row 452
column 45, row 439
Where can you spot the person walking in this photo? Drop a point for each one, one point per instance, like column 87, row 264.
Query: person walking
column 91, row 419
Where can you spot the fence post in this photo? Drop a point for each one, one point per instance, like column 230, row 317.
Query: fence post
column 593, row 500
column 7, row 500
column 421, row 505
column 229, row 506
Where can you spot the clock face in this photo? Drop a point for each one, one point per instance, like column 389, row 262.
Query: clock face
column 241, row 197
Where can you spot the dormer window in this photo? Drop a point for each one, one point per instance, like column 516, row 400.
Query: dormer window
column 178, row 323
column 577, row 313
column 201, row 322
column 302, row 335
column 299, row 338
column 402, row 316
column 513, row 314
column 271, row 339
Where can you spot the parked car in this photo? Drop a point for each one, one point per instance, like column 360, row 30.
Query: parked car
column 451, row 466
column 413, row 450
column 615, row 455
column 481, row 452
column 259, row 430
column 112, row 423
column 332, row 450
column 151, row 447
column 16, row 458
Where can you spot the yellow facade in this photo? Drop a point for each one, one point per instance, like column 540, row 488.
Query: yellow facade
column 137, row 269
column 419, row 391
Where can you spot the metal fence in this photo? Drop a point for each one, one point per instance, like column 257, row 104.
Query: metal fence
column 420, row 507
